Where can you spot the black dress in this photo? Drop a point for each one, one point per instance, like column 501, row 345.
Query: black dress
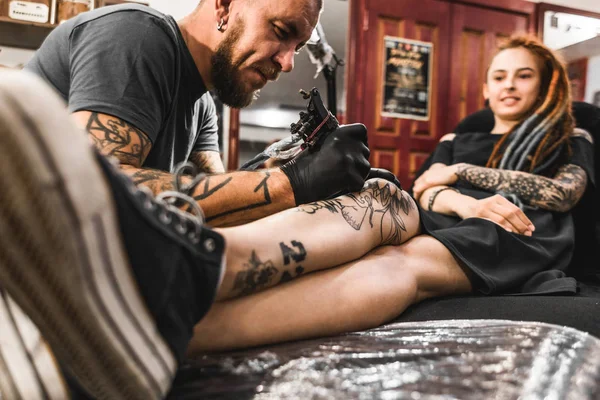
column 495, row 260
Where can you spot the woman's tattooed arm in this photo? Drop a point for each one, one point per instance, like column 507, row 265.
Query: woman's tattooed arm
column 560, row 193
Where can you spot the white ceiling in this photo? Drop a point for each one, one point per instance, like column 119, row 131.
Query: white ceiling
column 562, row 30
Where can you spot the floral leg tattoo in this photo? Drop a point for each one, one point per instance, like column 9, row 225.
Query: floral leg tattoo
column 376, row 200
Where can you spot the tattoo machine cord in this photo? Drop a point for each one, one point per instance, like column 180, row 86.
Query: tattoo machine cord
column 311, row 128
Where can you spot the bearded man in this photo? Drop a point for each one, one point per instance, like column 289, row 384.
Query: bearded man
column 138, row 82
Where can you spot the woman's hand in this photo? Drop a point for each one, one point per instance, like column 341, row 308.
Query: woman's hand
column 439, row 176
column 500, row 211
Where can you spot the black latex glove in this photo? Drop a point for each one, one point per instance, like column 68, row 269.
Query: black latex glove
column 339, row 164
column 373, row 173
column 384, row 174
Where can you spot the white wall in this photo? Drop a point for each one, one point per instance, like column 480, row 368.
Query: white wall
column 177, row 8
column 586, row 49
column 593, row 78
column 569, row 29
column 589, row 5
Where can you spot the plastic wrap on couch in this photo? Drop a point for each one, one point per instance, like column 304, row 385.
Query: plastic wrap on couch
column 458, row 359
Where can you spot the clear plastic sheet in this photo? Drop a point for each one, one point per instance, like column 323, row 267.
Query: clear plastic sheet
column 455, row 359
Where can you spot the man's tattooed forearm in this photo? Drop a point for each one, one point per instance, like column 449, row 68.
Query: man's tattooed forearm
column 156, row 181
column 265, row 199
column 159, row 181
column 115, row 137
column 386, row 201
column 204, row 189
column 558, row 194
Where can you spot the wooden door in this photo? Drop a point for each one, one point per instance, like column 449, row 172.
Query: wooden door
column 399, row 145
column 476, row 32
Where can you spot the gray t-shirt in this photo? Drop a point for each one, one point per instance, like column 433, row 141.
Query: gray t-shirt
column 131, row 61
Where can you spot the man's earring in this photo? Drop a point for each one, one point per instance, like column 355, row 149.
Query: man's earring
column 220, row 25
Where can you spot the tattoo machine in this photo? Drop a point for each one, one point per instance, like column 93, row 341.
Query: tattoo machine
column 314, row 125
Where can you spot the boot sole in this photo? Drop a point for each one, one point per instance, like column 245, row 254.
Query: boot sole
column 61, row 256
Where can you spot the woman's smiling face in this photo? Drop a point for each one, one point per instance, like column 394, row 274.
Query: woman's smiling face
column 513, row 84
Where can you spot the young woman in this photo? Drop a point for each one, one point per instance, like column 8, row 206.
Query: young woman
column 494, row 217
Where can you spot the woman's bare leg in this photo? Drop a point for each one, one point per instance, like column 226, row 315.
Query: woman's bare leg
column 359, row 295
column 315, row 236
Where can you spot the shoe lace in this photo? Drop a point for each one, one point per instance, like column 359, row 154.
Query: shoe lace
column 169, row 203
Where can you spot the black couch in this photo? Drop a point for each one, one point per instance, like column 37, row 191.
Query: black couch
column 580, row 311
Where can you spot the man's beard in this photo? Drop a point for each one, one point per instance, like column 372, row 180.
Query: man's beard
column 225, row 75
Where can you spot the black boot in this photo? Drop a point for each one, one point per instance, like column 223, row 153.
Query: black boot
column 113, row 279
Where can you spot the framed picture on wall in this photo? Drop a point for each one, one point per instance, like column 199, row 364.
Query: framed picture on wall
column 407, row 78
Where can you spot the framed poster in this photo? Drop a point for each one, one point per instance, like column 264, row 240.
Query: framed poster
column 407, row 71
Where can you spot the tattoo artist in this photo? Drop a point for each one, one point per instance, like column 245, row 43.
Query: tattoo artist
column 138, row 81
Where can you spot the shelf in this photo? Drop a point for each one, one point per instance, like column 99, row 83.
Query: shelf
column 23, row 34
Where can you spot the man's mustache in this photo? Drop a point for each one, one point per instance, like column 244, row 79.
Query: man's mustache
column 270, row 72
